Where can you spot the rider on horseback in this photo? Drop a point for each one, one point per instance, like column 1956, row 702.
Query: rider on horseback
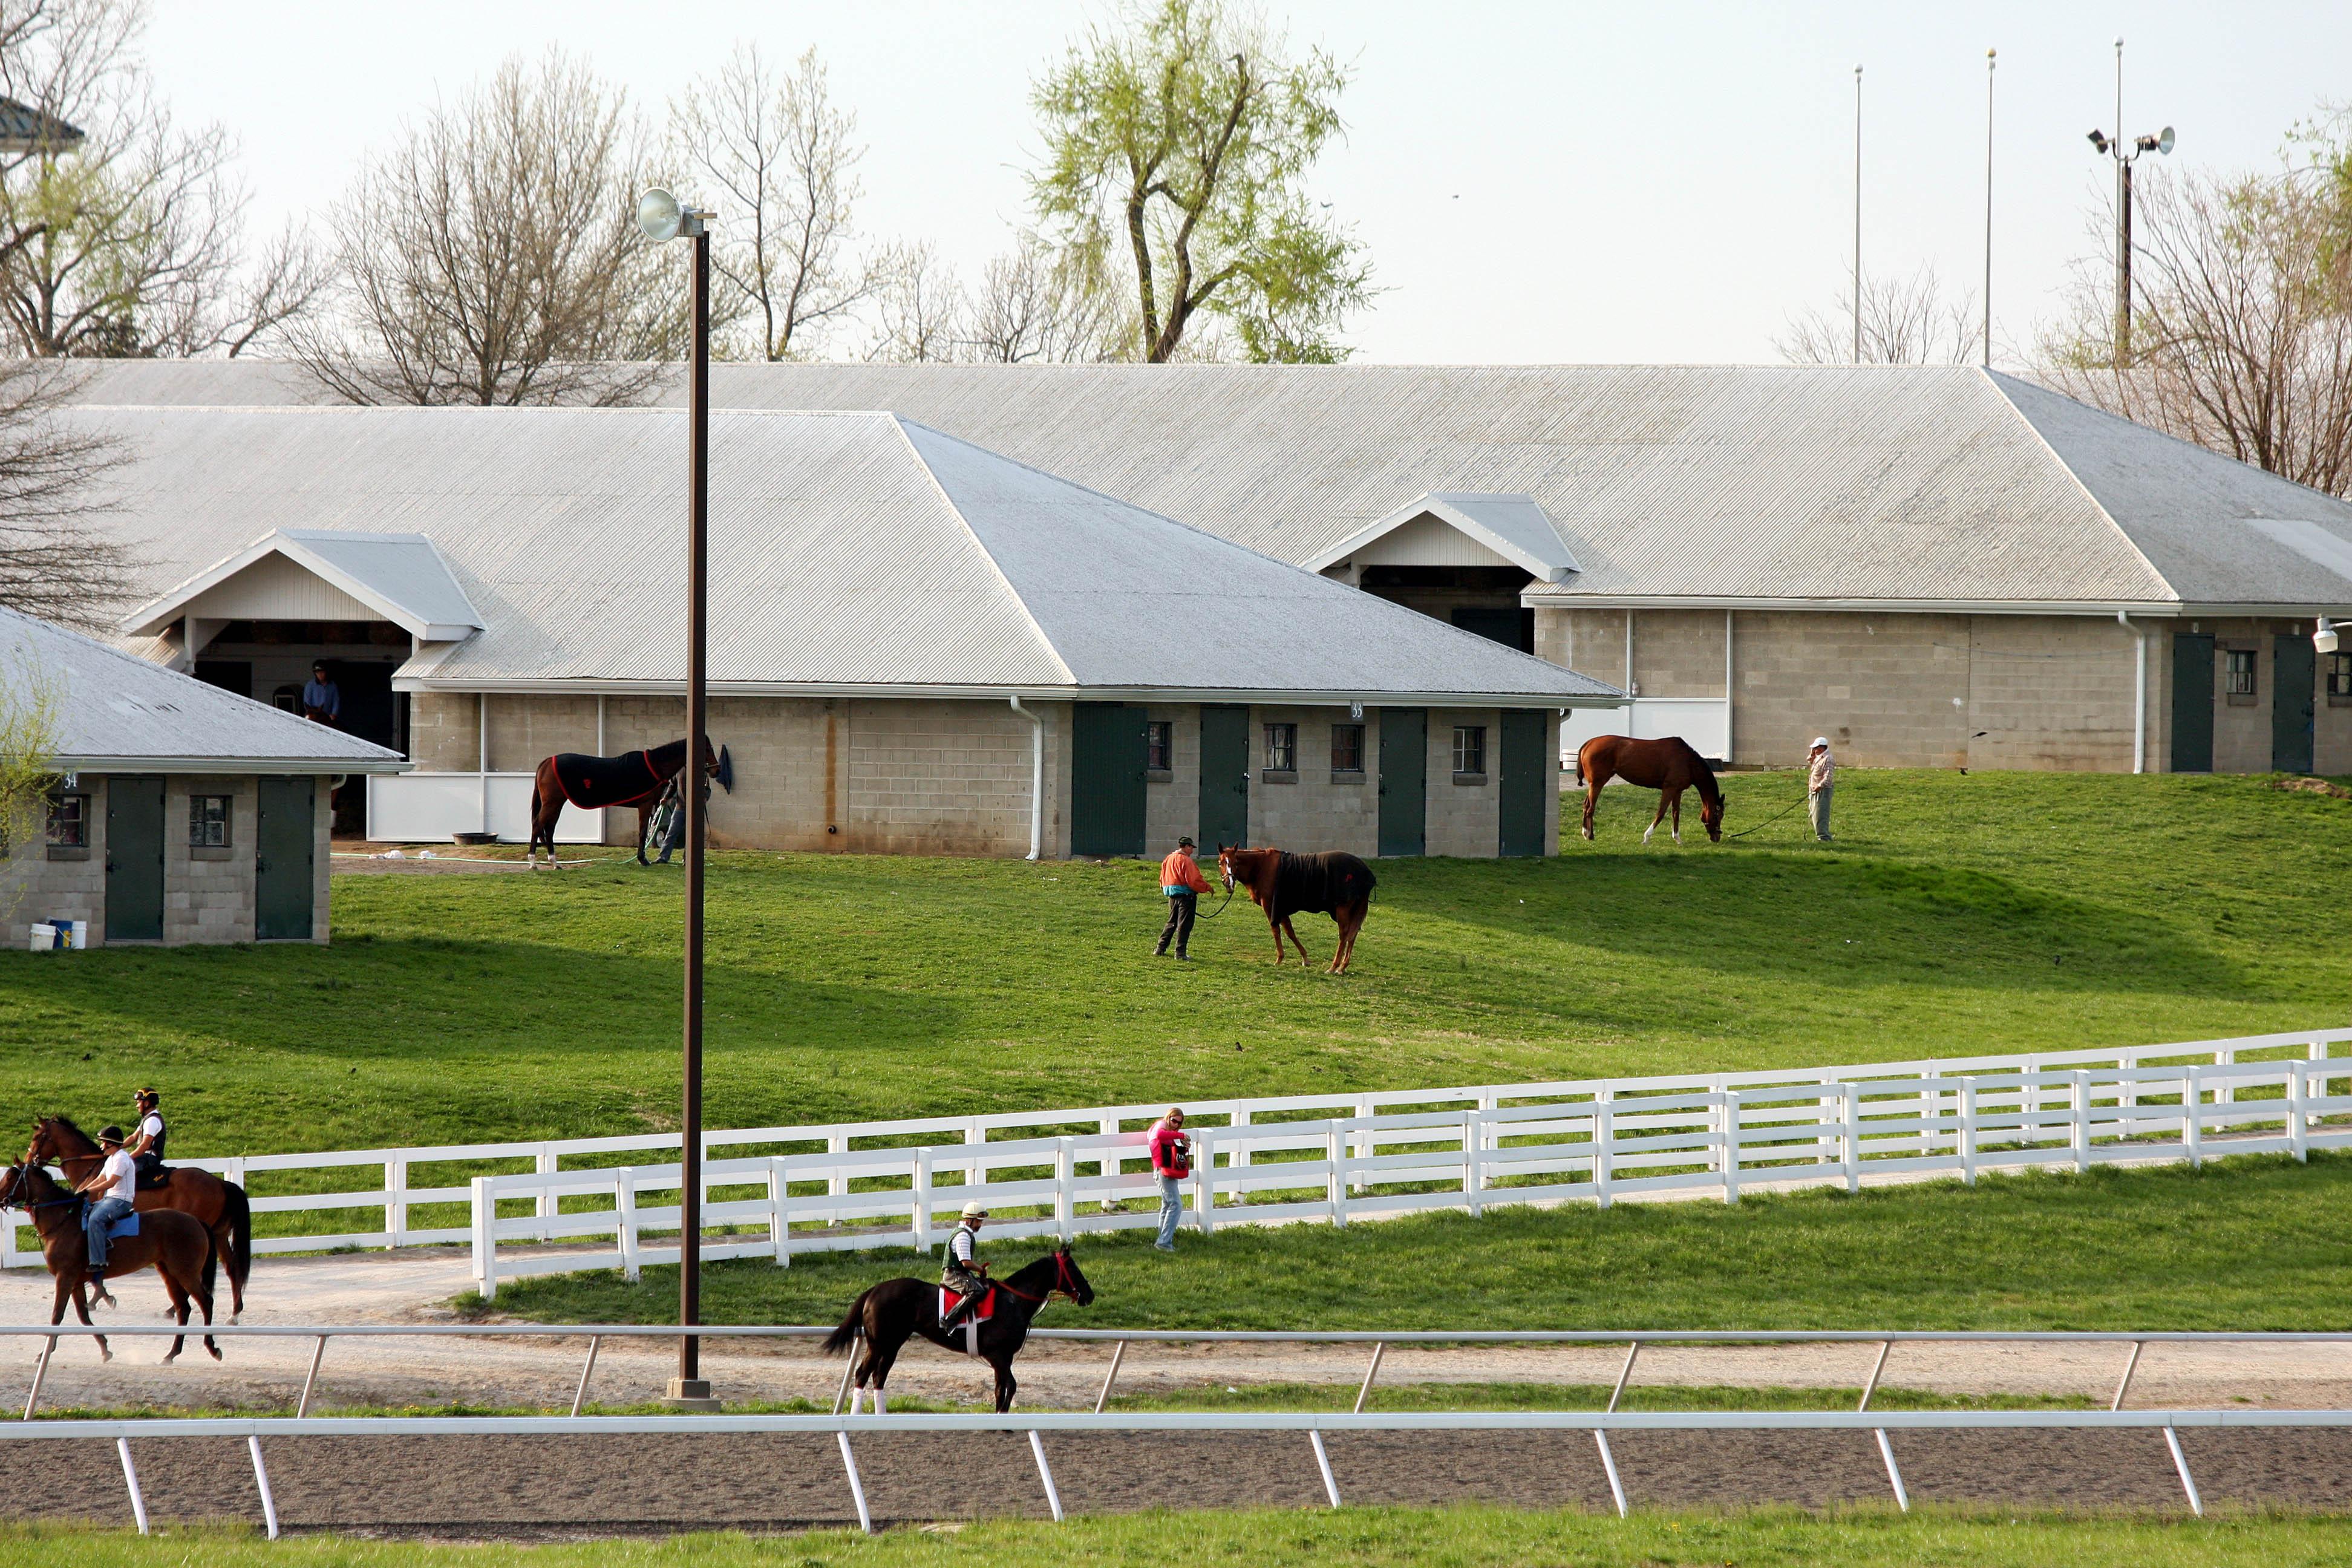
column 118, row 1177
column 146, row 1146
column 964, row 1273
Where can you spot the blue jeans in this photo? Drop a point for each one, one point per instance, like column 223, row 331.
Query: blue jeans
column 103, row 1213
column 1171, row 1208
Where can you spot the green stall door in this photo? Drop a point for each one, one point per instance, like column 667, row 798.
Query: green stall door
column 2295, row 701
column 134, row 859
column 2192, row 702
column 285, row 861
column 1525, row 776
column 1109, row 752
column 1404, row 780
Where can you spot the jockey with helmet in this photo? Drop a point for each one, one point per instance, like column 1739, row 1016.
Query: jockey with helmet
column 965, row 1274
column 146, row 1144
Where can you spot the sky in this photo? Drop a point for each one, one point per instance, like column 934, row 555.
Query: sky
column 1533, row 183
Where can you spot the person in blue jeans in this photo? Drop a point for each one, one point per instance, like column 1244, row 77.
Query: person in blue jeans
column 1171, row 1162
column 118, row 1178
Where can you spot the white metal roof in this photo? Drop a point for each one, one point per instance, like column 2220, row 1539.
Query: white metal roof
column 119, row 712
column 399, row 575
column 1513, row 526
column 850, row 552
column 1826, row 485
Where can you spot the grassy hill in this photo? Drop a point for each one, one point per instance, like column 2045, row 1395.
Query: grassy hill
column 1956, row 914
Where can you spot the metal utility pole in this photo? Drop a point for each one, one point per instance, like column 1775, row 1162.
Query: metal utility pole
column 1991, row 55
column 1857, row 214
column 2115, row 148
column 663, row 218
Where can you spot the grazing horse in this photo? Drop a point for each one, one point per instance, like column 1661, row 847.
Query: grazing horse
column 1669, row 766
column 220, row 1205
column 591, row 784
column 896, row 1310
column 175, row 1245
column 1333, row 882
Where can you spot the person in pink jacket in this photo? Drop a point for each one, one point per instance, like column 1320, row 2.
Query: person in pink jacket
column 1171, row 1162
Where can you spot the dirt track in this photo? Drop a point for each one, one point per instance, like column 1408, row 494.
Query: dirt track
column 601, row 1486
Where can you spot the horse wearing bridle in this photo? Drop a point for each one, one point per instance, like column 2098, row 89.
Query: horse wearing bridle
column 218, row 1203
column 175, row 1245
column 1331, row 882
column 1669, row 766
column 594, row 783
column 896, row 1310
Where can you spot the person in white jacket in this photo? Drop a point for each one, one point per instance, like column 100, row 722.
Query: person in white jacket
column 1819, row 785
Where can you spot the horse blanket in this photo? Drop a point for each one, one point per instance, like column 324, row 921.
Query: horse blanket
column 1319, row 883
column 980, row 1314
column 594, row 783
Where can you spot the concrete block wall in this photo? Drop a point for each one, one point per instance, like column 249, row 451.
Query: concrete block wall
column 1677, row 653
column 208, row 895
column 2050, row 691
column 444, row 731
column 1888, row 690
column 1314, row 810
column 1171, row 802
column 526, row 729
column 942, row 777
column 1465, row 819
column 34, row 886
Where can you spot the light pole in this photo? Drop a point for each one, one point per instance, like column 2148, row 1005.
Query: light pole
column 1991, row 56
column 663, row 219
column 2160, row 143
column 1857, row 214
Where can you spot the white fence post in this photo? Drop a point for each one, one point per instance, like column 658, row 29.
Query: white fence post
column 545, row 1163
column 1240, row 1156
column 837, row 1185
column 486, row 1253
column 1727, row 1143
column 1114, row 1166
column 919, row 1195
column 780, row 1213
column 2192, row 1115
column 1204, row 1180
column 1604, row 1134
column 1969, row 1131
column 395, row 1201
column 1066, row 1188
column 625, row 1219
column 2082, row 1128
column 1336, row 1147
column 1366, row 1142
column 2297, row 1123
column 1850, row 1132
column 1473, row 1156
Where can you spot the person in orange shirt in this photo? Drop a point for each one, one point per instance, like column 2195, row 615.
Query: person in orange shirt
column 1181, row 880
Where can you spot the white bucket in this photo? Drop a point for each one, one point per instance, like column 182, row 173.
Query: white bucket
column 45, row 938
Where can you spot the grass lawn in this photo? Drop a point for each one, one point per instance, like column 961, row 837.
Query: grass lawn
column 2259, row 1243
column 1423, row 1538
column 1956, row 914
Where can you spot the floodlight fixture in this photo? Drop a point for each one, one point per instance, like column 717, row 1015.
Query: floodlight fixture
column 2324, row 639
column 2164, row 142
column 2098, row 141
column 662, row 217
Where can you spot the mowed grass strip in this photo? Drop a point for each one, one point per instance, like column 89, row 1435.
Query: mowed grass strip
column 1465, row 1537
column 1955, row 915
column 2253, row 1243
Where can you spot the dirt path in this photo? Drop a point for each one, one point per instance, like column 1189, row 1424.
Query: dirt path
column 410, row 1286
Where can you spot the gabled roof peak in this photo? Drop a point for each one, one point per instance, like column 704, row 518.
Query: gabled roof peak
column 401, row 576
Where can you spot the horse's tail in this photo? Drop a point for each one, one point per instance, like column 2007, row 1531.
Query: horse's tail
column 210, row 1277
column 240, row 1233
column 842, row 1338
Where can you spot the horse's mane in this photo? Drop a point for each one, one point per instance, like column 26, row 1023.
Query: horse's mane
column 1708, row 790
column 67, row 1124
column 673, row 753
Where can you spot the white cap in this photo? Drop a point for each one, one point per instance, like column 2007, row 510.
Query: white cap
column 974, row 1211
column 1821, row 740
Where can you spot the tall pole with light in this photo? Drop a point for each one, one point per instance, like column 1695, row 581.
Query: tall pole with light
column 1990, row 55
column 1857, row 214
column 663, row 219
column 2161, row 142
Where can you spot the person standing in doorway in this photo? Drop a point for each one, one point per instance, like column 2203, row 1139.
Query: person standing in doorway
column 322, row 700
column 1819, row 785
column 1171, row 1162
column 1182, row 882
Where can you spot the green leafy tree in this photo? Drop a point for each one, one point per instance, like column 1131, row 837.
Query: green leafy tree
column 31, row 705
column 1178, row 148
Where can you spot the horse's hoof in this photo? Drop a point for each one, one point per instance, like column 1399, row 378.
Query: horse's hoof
column 214, row 1351
column 104, row 1354
column 169, row 1357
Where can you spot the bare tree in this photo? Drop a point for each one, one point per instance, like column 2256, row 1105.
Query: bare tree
column 120, row 233
column 1904, row 321
column 52, row 564
column 1035, row 304
column 918, row 306
column 2242, row 318
column 492, row 257
column 780, row 162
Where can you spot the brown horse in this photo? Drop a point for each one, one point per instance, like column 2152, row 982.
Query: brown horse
column 216, row 1203
column 896, row 1310
column 591, row 784
column 1333, row 882
column 170, row 1243
column 1669, row 766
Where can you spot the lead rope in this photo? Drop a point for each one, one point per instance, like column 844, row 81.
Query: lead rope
column 1767, row 821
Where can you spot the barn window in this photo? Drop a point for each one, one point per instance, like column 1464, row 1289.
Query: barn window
column 68, row 824
column 1282, row 749
column 1470, row 752
column 2238, row 675
column 2339, row 680
column 208, row 822
column 1347, row 749
column 1159, row 746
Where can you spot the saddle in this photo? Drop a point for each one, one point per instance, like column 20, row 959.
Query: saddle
column 127, row 1225
column 594, row 783
column 980, row 1314
column 154, row 1178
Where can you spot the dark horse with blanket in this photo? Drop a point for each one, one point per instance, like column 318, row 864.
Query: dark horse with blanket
column 1670, row 766
column 896, row 1310
column 1333, row 882
column 592, row 783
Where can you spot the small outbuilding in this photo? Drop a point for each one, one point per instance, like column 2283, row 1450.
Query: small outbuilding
column 181, row 813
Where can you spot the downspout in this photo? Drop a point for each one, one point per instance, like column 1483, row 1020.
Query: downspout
column 1036, row 776
column 2139, row 694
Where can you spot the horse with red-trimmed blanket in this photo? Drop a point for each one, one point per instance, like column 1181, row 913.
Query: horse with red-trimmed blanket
column 595, row 784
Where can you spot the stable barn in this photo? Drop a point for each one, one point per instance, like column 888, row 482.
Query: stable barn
column 181, row 813
column 917, row 645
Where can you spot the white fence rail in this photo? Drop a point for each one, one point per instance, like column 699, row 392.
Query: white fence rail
column 1588, row 1143
column 1519, row 1128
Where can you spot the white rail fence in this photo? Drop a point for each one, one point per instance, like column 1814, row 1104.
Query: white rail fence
column 1666, row 1133
column 1035, row 1424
